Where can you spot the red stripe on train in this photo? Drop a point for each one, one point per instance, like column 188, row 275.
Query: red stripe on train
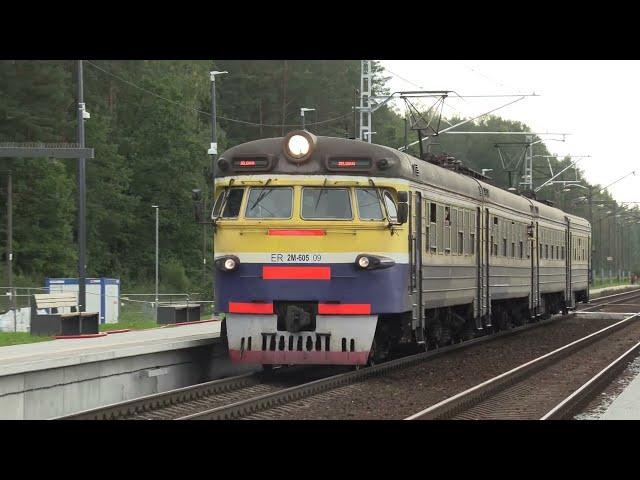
column 238, row 307
column 344, row 309
column 296, row 273
column 298, row 233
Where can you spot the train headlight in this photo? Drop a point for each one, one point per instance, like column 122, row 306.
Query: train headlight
column 299, row 145
column 371, row 262
column 227, row 263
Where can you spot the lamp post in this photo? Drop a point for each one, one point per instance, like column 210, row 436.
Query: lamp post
column 213, row 151
column 9, row 246
column 302, row 110
column 157, row 224
column 82, row 195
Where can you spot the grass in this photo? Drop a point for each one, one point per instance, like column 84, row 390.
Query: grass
column 609, row 282
column 16, row 338
column 131, row 319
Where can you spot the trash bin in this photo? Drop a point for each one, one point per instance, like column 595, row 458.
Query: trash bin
column 173, row 313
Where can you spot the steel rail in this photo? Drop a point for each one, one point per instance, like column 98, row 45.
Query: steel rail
column 474, row 395
column 153, row 402
column 165, row 399
column 586, row 392
column 288, row 395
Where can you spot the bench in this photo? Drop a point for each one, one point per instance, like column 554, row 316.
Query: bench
column 171, row 313
column 58, row 314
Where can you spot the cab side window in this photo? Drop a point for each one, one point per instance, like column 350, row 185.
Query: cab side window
column 232, row 203
column 391, row 207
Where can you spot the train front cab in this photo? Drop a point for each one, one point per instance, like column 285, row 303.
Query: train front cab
column 313, row 262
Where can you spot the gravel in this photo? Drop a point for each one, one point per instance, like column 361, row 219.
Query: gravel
column 401, row 393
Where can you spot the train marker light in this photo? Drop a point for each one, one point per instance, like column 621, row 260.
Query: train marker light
column 229, row 264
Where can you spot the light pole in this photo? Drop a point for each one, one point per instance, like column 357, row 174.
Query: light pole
column 157, row 248
column 12, row 293
column 213, row 151
column 82, row 196
column 302, row 110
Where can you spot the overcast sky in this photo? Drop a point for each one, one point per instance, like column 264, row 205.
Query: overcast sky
column 597, row 102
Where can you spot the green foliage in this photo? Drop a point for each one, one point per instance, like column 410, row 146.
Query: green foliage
column 175, row 276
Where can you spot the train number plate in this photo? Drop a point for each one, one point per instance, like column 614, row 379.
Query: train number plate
column 296, row 258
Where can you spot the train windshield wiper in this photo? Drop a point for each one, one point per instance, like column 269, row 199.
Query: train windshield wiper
column 322, row 190
column 263, row 194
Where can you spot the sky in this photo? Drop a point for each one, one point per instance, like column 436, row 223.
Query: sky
column 597, row 102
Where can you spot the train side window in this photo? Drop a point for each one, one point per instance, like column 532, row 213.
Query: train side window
column 425, row 210
column 454, row 231
column 447, row 230
column 513, row 250
column 233, row 203
column 504, row 247
column 432, row 207
column 472, row 243
column 557, row 252
column 465, row 230
column 546, row 251
column 440, row 228
column 540, row 249
column 520, row 250
column 562, row 252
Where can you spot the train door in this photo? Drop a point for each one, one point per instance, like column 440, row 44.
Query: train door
column 486, row 298
column 535, row 269
column 419, row 247
column 415, row 256
column 476, row 242
column 568, row 296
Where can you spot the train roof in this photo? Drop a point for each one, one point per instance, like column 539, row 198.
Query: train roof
column 343, row 156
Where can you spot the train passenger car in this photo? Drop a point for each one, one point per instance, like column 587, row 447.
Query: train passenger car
column 331, row 250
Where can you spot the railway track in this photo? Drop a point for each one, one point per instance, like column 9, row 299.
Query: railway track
column 250, row 394
column 551, row 386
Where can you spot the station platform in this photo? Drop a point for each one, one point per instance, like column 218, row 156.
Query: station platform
column 626, row 406
column 55, row 378
column 64, row 352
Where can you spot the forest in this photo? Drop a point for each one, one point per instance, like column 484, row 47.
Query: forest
column 150, row 127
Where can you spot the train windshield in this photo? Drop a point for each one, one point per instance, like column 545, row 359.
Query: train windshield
column 269, row 203
column 369, row 204
column 326, row 204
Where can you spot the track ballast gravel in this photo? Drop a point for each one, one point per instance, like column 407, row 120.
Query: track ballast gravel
column 401, row 393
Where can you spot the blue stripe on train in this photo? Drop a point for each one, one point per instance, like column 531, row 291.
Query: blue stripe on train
column 386, row 289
